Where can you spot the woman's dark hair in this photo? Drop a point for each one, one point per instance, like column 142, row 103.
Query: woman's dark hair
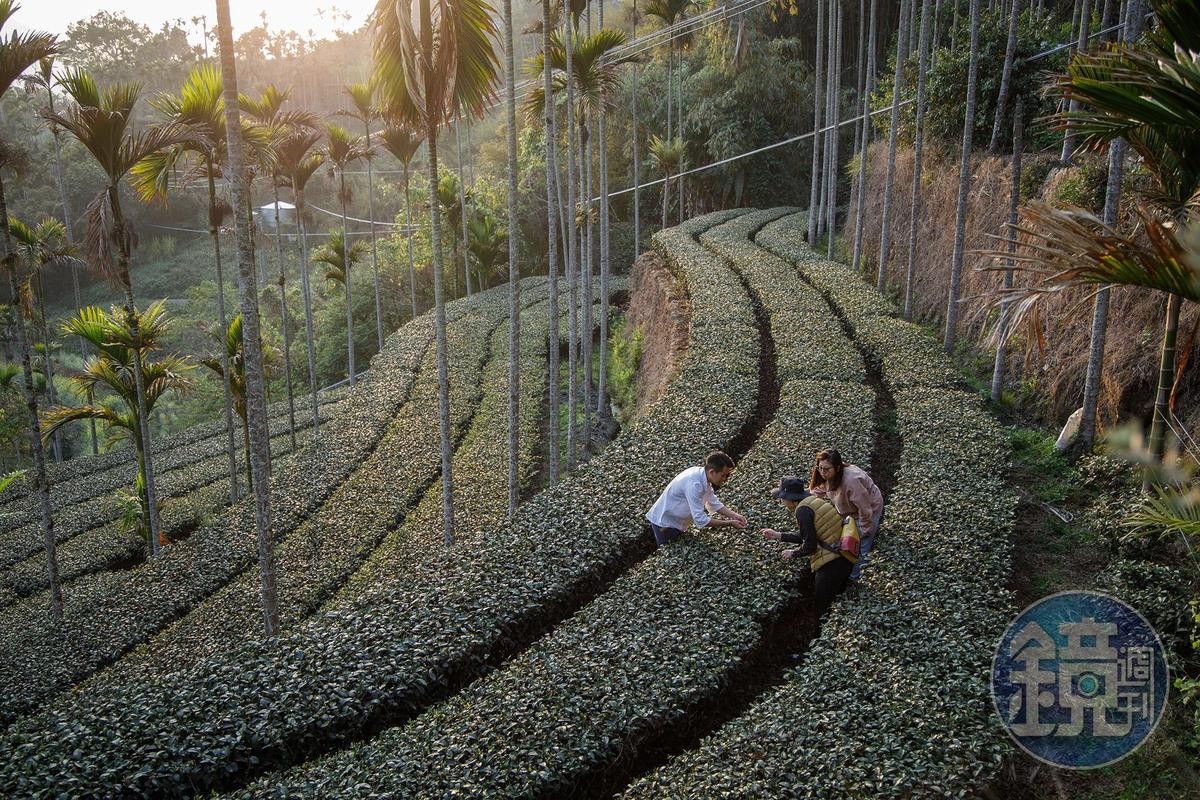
column 835, row 459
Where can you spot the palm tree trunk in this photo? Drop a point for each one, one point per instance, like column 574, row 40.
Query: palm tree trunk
column 215, row 235
column 259, row 454
column 918, row 152
column 826, row 136
column 412, row 276
column 41, row 481
column 813, row 211
column 1085, row 18
column 462, row 205
column 885, row 225
column 139, row 380
column 552, row 228
column 585, row 301
column 865, row 139
column 51, row 394
column 964, row 183
column 670, row 59
column 1014, row 200
column 602, row 385
column 637, row 166
column 346, row 279
column 439, row 303
column 1010, row 53
column 860, row 73
column 1166, row 379
column 572, row 256
column 374, row 248
column 1112, row 207
column 60, row 177
column 514, row 272
column 835, row 132
column 306, row 290
column 283, row 326
column 666, row 187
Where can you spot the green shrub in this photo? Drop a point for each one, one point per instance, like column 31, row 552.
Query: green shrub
column 898, row 673
column 344, row 671
column 624, row 358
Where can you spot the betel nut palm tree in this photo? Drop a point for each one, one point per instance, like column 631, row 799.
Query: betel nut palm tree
column 277, row 125
column 41, row 247
column 403, row 142
column 199, row 108
column 341, row 150
column 362, row 100
column 119, row 355
column 1149, row 96
column 101, row 120
column 18, row 52
column 259, row 454
column 298, row 162
column 432, row 58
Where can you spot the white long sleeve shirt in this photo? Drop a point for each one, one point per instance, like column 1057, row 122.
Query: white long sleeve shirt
column 688, row 498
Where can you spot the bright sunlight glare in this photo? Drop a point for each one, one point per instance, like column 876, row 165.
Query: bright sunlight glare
column 322, row 17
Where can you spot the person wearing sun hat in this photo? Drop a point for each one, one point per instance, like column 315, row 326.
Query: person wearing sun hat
column 829, row 540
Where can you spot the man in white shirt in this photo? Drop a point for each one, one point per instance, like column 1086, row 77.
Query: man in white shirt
column 689, row 498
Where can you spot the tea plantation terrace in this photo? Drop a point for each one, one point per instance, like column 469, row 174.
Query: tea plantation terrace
column 529, row 661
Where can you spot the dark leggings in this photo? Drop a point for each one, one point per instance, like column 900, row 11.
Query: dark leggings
column 830, row 581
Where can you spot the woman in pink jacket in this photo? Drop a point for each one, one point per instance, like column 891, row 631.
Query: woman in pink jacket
column 853, row 493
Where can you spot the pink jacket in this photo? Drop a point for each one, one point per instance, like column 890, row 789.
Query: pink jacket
column 858, row 496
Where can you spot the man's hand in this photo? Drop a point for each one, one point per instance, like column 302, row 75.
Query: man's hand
column 770, row 534
column 742, row 519
column 789, row 554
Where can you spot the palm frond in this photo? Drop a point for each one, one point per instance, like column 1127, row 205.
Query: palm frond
column 402, row 142
column 20, row 51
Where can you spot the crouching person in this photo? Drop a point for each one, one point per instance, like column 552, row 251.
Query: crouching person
column 690, row 498
column 828, row 540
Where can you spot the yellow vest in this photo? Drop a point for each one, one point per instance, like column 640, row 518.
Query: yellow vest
column 835, row 536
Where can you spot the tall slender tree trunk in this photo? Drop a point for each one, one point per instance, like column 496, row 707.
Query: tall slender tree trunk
column 964, row 184
column 412, row 276
column 1166, row 379
column 439, row 303
column 585, row 296
column 814, row 187
column 462, row 205
column 826, row 142
column 1014, row 201
column 256, row 409
column 131, row 319
column 918, row 152
column 306, row 290
column 1010, row 52
column 69, row 235
column 885, row 224
column 346, row 278
column 283, row 325
column 835, row 133
column 514, row 272
column 637, row 168
column 1085, row 18
column 51, row 394
column 214, row 233
column 605, row 266
column 41, row 480
column 374, row 247
column 865, row 139
column 552, row 224
column 572, row 256
column 861, row 73
column 670, row 65
column 1112, row 210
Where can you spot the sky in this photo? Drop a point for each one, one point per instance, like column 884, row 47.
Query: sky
column 54, row 16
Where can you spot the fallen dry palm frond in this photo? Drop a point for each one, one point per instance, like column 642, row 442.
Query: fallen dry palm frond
column 1063, row 249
